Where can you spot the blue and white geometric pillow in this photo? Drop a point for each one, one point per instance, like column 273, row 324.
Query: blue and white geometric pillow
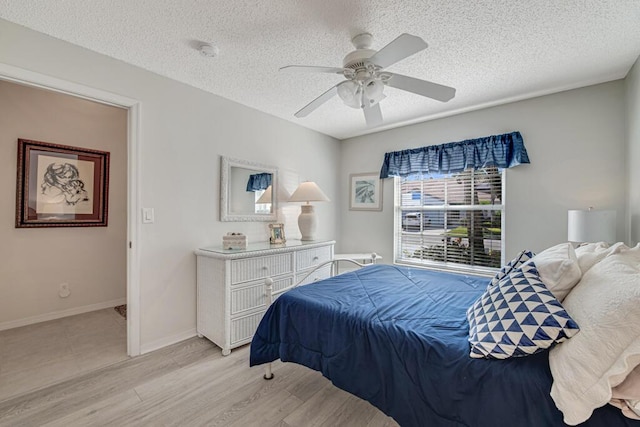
column 518, row 317
column 520, row 259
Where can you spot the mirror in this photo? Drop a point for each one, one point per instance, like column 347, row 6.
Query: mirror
column 246, row 191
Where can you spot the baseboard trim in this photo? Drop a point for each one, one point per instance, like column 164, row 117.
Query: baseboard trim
column 59, row 314
column 171, row 339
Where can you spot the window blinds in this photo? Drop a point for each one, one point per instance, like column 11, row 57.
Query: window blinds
column 451, row 220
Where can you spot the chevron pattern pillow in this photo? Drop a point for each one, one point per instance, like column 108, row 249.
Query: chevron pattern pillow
column 518, row 317
column 520, row 259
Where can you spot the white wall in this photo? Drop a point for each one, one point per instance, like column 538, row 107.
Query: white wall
column 576, row 144
column 633, row 154
column 183, row 133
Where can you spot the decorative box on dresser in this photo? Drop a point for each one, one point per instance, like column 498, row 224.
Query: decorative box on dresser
column 231, row 285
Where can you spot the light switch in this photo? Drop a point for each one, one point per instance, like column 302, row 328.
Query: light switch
column 148, row 216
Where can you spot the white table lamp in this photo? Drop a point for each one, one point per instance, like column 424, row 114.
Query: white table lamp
column 266, row 196
column 307, row 221
column 591, row 226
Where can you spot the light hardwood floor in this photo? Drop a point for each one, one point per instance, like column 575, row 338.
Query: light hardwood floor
column 49, row 352
column 192, row 384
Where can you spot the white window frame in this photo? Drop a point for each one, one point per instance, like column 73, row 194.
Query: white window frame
column 446, row 266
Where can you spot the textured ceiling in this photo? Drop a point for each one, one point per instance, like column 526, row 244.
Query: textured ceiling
column 490, row 51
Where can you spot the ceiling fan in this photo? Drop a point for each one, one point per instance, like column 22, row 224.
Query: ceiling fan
column 365, row 77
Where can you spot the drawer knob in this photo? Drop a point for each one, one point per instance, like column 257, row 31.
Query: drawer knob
column 265, row 267
column 315, row 258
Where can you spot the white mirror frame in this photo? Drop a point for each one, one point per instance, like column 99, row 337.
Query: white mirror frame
column 225, row 184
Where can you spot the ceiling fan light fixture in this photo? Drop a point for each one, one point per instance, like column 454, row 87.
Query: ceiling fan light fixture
column 373, row 91
column 351, row 93
column 372, row 102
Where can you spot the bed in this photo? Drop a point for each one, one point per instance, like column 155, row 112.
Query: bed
column 398, row 338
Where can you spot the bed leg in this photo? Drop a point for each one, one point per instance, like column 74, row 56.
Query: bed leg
column 268, row 283
column 268, row 375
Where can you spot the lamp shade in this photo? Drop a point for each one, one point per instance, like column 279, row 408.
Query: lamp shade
column 351, row 93
column 591, row 226
column 308, row 192
column 266, row 196
column 373, row 91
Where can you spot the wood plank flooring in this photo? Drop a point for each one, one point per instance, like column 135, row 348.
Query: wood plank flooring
column 192, row 384
column 47, row 353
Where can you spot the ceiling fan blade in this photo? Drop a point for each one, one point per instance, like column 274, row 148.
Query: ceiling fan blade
column 421, row 87
column 310, row 107
column 402, row 47
column 313, row 69
column 373, row 115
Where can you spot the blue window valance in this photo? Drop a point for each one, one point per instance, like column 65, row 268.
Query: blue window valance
column 258, row 181
column 503, row 151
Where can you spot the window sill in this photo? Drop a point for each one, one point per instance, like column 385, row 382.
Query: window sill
column 454, row 268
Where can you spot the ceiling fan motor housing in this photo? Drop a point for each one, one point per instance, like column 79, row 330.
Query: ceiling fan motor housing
column 357, row 59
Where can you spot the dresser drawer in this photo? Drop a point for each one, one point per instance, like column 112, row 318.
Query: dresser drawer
column 243, row 328
column 253, row 296
column 245, row 270
column 308, row 258
column 319, row 274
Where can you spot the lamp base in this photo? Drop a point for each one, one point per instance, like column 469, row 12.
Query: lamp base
column 307, row 223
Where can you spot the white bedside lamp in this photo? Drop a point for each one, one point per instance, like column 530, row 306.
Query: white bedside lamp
column 307, row 221
column 591, row 226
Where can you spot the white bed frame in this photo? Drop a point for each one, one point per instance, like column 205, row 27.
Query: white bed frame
column 268, row 374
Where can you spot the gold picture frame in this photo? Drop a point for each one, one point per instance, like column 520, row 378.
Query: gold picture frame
column 277, row 234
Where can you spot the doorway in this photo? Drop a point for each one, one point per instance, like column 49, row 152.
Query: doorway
column 132, row 106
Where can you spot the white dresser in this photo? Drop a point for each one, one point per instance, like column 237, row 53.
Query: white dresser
column 231, row 285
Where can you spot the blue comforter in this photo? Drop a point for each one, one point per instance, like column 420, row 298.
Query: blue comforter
column 397, row 337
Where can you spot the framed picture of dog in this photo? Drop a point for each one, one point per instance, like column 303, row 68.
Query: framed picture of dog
column 61, row 186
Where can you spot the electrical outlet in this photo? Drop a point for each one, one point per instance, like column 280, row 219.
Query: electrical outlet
column 63, row 290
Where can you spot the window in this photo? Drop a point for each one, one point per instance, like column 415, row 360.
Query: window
column 452, row 221
column 261, row 208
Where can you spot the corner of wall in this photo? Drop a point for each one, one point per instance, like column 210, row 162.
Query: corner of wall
column 632, row 86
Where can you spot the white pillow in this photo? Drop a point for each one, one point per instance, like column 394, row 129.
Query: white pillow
column 592, row 253
column 626, row 395
column 606, row 306
column 558, row 268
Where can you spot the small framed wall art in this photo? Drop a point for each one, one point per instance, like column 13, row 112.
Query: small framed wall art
column 277, row 233
column 61, row 186
column 365, row 192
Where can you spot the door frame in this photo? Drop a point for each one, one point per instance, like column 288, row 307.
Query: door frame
column 30, row 78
